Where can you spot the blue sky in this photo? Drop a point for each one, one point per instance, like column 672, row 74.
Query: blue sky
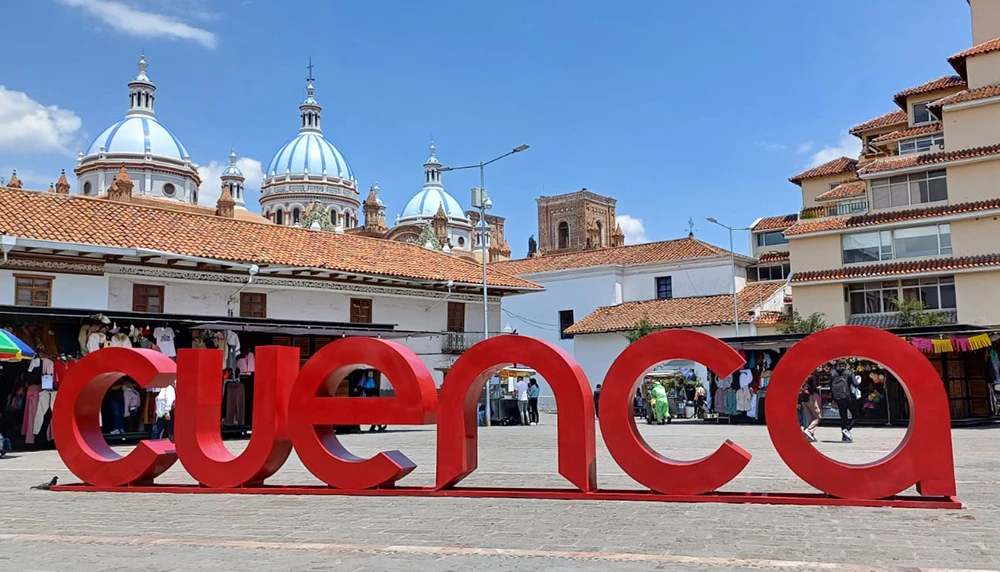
column 678, row 109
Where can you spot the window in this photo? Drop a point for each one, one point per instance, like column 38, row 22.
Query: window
column 32, row 290
column 911, row 189
column 664, row 287
column 565, row 320
column 456, row 316
column 771, row 238
column 253, row 305
column 771, row 272
column 876, row 297
column 873, row 297
column 279, row 217
column 361, row 311
column 295, row 216
column 169, row 190
column 921, row 114
column 935, row 293
column 194, row 195
column 563, row 235
column 929, row 240
column 87, row 188
column 147, row 298
column 461, row 241
column 921, row 144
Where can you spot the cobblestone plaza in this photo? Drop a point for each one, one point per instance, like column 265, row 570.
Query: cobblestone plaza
column 59, row 531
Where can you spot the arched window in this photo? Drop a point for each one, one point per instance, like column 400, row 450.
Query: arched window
column 563, row 235
column 194, row 195
column 295, row 216
column 86, row 188
column 333, row 218
column 600, row 234
column 279, row 216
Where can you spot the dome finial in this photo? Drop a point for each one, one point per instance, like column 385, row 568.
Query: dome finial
column 310, row 108
column 232, row 155
column 433, row 148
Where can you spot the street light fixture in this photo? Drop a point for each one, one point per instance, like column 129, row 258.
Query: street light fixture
column 481, row 201
column 732, row 260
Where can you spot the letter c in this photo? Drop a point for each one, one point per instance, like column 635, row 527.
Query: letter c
column 75, row 418
column 625, row 443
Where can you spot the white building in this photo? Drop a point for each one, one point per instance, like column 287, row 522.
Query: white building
column 582, row 285
column 174, row 265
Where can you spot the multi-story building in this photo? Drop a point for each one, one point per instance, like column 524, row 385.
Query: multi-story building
column 915, row 217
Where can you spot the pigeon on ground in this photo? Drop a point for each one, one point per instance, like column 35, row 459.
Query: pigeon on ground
column 48, row 485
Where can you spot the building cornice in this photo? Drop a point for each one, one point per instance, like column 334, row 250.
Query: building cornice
column 919, row 221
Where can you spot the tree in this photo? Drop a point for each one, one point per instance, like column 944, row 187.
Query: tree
column 913, row 313
column 641, row 330
column 427, row 237
column 796, row 324
column 532, row 246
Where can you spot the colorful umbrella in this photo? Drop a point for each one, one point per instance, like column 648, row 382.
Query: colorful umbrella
column 13, row 349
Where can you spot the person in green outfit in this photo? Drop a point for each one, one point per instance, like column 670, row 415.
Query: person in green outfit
column 662, row 406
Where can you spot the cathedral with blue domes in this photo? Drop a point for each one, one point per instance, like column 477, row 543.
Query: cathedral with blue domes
column 308, row 182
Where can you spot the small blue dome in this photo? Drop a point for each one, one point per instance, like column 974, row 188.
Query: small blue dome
column 309, row 152
column 426, row 203
column 137, row 133
column 232, row 171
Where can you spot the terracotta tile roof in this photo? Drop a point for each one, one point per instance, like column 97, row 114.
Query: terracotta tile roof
column 776, row 222
column 94, row 221
column 170, row 204
column 835, row 167
column 845, row 222
column 917, row 160
column 779, row 256
column 678, row 249
column 898, row 268
column 844, row 191
column 677, row 312
column 958, row 60
column 943, row 82
column 911, row 132
column 771, row 318
column 963, row 96
column 898, row 117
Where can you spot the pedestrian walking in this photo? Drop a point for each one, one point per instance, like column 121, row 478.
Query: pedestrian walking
column 533, row 391
column 662, row 407
column 521, row 387
column 811, row 407
column 597, row 401
column 163, row 427
column 845, row 387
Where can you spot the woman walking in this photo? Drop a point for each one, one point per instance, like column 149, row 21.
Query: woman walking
column 811, row 407
column 533, row 391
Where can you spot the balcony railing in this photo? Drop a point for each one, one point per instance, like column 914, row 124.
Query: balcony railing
column 458, row 342
column 841, row 209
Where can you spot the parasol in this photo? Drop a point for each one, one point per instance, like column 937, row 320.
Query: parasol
column 13, row 349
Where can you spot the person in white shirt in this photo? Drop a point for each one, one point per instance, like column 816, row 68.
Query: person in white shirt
column 522, row 400
column 163, row 427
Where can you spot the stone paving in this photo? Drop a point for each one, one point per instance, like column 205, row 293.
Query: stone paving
column 50, row 531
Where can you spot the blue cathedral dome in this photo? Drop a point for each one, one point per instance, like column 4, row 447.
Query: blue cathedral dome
column 309, row 152
column 138, row 134
column 426, row 203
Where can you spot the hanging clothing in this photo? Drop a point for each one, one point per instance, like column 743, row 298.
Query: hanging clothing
column 46, row 400
column 132, row 399
column 247, row 364
column 120, row 340
column 30, row 408
column 165, row 340
column 235, row 403
column 95, row 341
column 743, row 398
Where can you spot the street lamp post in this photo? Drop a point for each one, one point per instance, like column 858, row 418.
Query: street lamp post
column 481, row 200
column 732, row 261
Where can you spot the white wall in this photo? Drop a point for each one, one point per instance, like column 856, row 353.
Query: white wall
column 639, row 283
column 68, row 290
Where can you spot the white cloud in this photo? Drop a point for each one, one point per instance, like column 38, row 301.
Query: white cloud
column 211, row 186
column 805, row 147
column 30, row 127
column 635, row 231
column 848, row 146
column 141, row 24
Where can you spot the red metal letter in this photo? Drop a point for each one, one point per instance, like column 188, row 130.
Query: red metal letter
column 923, row 458
column 625, row 443
column 312, row 411
column 458, row 451
column 199, row 400
column 75, row 418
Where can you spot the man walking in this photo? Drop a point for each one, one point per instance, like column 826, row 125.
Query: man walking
column 844, row 386
column 597, row 401
column 521, row 387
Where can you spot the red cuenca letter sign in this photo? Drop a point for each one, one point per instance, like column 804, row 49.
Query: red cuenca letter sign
column 299, row 409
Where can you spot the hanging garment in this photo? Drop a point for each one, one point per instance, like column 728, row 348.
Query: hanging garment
column 30, row 408
column 731, row 402
column 235, row 403
column 46, row 399
column 165, row 340
column 746, row 378
column 95, row 341
column 752, row 412
column 120, row 340
column 743, row 398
